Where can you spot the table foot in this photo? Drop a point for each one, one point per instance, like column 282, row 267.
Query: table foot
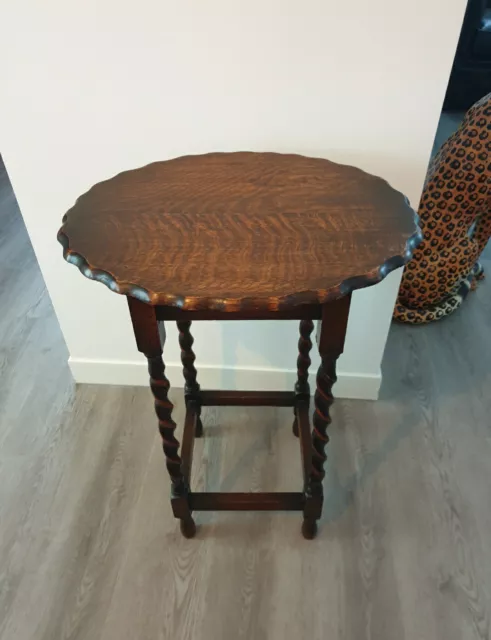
column 309, row 529
column 188, row 527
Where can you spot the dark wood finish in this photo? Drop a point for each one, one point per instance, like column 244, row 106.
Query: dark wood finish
column 188, row 357
column 302, row 387
column 305, row 441
column 238, row 236
column 150, row 339
column 278, row 501
column 303, row 311
column 237, row 231
column 330, row 340
column 331, row 331
column 303, row 360
column 326, row 377
column 248, row 398
column 309, row 528
column 188, row 527
column 188, row 435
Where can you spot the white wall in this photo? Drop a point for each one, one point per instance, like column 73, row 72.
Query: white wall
column 94, row 87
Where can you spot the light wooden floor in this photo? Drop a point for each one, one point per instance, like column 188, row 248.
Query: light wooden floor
column 89, row 549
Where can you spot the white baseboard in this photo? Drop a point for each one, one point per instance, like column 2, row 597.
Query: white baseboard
column 349, row 385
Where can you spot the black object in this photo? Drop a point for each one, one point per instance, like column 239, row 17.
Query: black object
column 470, row 78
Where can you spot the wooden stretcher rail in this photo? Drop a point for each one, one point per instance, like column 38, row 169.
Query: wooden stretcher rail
column 248, row 398
column 246, row 501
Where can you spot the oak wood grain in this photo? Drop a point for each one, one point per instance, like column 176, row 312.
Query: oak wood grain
column 236, row 231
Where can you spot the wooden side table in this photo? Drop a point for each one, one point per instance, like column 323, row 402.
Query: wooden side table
column 234, row 236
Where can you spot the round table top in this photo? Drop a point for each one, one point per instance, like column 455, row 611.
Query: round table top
column 233, row 231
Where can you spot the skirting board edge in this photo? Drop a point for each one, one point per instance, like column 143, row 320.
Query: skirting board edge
column 357, row 386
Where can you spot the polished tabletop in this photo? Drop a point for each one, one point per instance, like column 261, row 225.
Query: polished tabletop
column 235, row 231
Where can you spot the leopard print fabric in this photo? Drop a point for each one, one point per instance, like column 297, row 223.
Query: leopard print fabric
column 455, row 218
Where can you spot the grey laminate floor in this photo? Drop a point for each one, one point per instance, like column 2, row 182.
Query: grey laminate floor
column 89, row 549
